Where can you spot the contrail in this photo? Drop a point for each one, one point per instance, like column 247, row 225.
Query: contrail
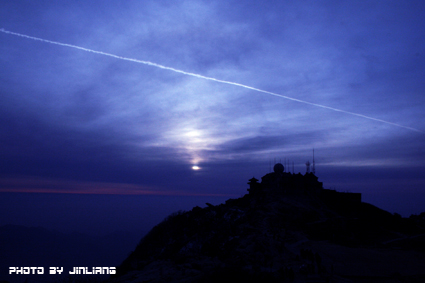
column 207, row 78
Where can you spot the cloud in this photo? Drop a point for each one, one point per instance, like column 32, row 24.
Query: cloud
column 45, row 185
column 72, row 114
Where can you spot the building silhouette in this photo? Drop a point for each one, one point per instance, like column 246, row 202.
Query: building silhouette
column 288, row 183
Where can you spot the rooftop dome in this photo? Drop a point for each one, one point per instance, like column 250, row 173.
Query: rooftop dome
column 278, row 168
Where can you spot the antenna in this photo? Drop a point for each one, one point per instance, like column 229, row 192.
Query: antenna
column 314, row 165
column 307, row 164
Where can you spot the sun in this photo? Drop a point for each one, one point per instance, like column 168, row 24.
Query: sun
column 195, row 167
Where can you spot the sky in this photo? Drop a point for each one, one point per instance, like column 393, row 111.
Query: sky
column 111, row 103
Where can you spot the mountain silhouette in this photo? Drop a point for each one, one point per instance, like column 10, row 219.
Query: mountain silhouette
column 286, row 229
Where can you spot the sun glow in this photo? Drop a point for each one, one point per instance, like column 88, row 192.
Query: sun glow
column 196, row 167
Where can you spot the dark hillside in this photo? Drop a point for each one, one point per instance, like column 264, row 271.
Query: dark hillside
column 275, row 235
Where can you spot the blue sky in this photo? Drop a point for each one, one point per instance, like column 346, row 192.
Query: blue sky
column 73, row 121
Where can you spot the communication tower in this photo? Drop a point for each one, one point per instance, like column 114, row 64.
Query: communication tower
column 307, row 164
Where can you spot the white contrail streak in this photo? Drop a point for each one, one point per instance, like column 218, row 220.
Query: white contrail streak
column 207, row 78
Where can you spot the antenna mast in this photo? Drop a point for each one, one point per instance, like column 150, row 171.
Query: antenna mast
column 314, row 165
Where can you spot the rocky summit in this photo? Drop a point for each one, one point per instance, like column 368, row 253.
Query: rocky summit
column 286, row 229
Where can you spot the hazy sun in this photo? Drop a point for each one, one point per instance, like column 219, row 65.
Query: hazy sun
column 195, row 167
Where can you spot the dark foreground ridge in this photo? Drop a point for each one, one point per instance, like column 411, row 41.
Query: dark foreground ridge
column 287, row 229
